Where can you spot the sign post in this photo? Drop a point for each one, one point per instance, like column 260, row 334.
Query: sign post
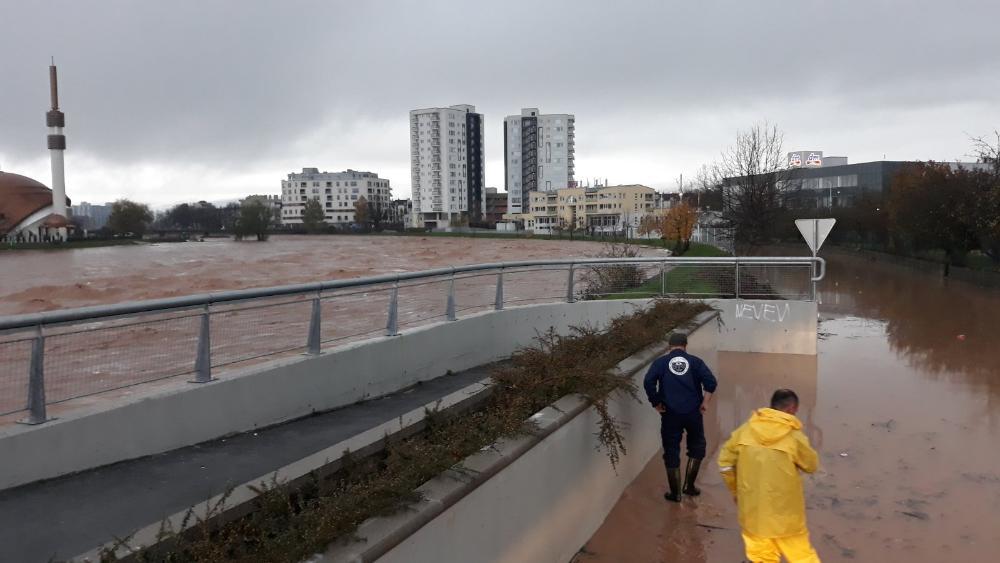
column 815, row 232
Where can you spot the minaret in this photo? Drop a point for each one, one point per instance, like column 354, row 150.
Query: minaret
column 57, row 144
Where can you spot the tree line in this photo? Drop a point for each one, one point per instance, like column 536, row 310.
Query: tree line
column 251, row 218
column 929, row 207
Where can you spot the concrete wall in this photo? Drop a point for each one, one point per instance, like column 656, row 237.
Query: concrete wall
column 766, row 326
column 281, row 390
column 548, row 502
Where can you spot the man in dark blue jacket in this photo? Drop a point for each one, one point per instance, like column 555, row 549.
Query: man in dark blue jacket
column 674, row 385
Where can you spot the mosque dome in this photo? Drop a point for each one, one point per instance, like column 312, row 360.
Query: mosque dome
column 20, row 197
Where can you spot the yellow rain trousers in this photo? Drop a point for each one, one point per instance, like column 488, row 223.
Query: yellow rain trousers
column 760, row 465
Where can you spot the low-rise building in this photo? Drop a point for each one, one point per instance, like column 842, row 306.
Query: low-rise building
column 815, row 181
column 337, row 192
column 272, row 202
column 496, row 206
column 401, row 213
column 601, row 210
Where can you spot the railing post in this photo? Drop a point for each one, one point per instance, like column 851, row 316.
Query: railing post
column 392, row 324
column 315, row 325
column 737, row 288
column 450, row 307
column 498, row 302
column 569, row 285
column 203, row 360
column 36, row 381
column 663, row 279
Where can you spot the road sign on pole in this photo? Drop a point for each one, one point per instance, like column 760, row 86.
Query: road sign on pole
column 815, row 231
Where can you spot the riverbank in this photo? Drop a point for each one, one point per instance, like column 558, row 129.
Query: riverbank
column 68, row 245
column 982, row 276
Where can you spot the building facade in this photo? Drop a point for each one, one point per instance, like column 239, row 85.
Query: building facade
column 447, row 166
column 91, row 216
column 272, row 202
column 602, row 210
column 815, row 181
column 496, row 206
column 538, row 154
column 337, row 192
column 401, row 213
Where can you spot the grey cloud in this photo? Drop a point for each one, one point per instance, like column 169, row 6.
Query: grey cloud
column 230, row 84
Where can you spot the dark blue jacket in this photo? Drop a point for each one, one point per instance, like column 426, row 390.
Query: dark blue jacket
column 676, row 381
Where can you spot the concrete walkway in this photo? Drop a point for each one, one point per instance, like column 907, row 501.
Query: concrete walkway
column 63, row 517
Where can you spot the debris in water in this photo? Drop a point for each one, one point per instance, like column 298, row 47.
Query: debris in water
column 888, row 425
column 918, row 515
column 845, row 552
column 711, row 527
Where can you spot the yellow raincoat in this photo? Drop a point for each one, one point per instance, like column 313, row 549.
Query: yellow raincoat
column 760, row 464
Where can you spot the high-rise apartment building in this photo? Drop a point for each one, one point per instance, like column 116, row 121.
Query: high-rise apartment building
column 447, row 162
column 538, row 154
column 337, row 192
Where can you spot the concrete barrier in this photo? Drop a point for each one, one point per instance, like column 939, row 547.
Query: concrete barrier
column 537, row 498
column 282, row 390
column 767, row 326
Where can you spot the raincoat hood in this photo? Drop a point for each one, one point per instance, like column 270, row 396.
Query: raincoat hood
column 769, row 426
column 760, row 465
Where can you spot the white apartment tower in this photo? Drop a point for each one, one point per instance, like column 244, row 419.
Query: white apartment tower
column 337, row 192
column 538, row 155
column 447, row 162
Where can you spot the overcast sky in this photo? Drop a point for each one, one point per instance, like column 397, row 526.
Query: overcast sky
column 187, row 100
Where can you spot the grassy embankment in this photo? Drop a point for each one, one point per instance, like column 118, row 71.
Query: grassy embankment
column 680, row 280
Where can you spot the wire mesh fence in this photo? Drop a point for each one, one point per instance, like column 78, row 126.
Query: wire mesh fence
column 87, row 355
column 15, row 352
column 421, row 302
column 353, row 314
column 98, row 357
column 775, row 281
column 527, row 286
column 243, row 332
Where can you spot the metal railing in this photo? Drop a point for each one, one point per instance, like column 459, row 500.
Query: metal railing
column 51, row 357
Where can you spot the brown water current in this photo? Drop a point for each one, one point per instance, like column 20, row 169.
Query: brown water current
column 32, row 281
column 101, row 362
column 903, row 405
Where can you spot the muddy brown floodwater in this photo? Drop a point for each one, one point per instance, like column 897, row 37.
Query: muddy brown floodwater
column 32, row 281
column 103, row 361
column 903, row 404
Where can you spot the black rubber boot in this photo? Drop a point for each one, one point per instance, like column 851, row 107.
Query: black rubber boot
column 689, row 477
column 674, row 480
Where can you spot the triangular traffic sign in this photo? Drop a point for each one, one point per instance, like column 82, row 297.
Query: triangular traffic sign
column 815, row 231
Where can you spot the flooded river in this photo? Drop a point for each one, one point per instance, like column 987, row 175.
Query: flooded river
column 903, row 400
column 109, row 359
column 32, row 281
column 903, row 404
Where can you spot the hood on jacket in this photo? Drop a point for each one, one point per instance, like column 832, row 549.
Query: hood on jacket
column 769, row 425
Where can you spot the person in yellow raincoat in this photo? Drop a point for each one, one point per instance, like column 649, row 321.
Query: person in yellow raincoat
column 760, row 465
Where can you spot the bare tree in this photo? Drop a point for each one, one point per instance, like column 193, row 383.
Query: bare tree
column 755, row 183
column 987, row 151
